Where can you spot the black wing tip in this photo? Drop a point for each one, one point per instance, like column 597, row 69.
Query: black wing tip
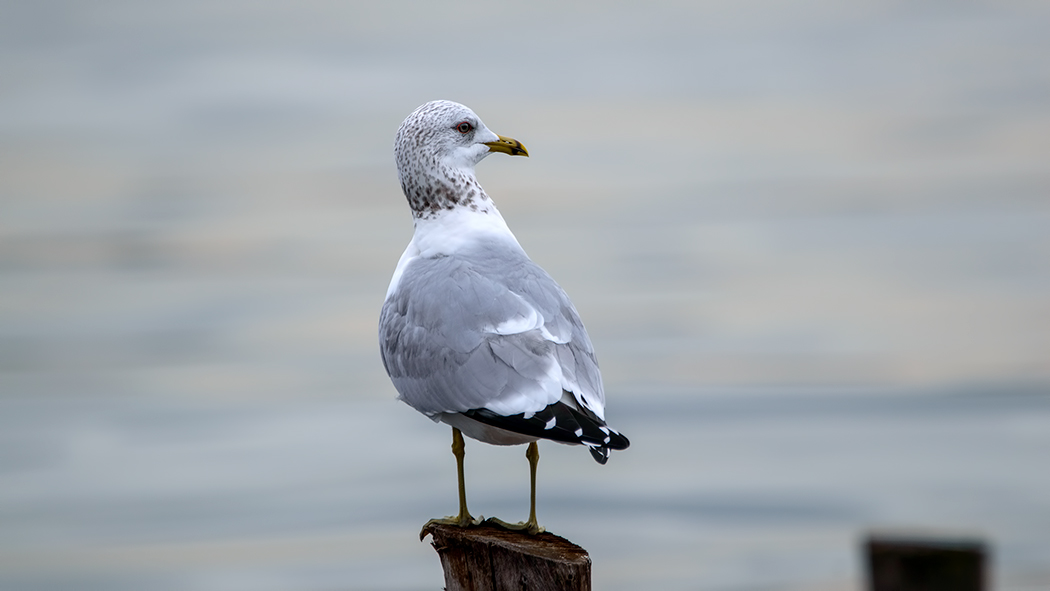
column 618, row 440
column 600, row 454
column 615, row 441
column 561, row 423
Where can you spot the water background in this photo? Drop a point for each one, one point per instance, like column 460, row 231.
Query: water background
column 810, row 240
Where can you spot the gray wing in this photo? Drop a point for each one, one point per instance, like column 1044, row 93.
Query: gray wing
column 489, row 329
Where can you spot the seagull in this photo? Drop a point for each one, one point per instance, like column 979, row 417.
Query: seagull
column 472, row 332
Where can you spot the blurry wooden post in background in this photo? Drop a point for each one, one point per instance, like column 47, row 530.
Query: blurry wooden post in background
column 490, row 558
column 903, row 563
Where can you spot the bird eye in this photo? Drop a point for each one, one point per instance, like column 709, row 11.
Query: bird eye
column 464, row 127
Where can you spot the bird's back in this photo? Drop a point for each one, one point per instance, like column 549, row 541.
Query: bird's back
column 485, row 327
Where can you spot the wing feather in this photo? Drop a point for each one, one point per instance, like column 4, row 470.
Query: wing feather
column 468, row 332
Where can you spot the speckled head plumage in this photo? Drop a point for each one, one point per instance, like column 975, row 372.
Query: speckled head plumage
column 436, row 149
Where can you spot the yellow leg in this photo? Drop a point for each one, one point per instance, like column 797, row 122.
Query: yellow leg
column 533, row 454
column 459, row 450
column 463, row 519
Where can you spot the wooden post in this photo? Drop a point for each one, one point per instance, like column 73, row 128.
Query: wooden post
column 490, row 558
column 905, row 563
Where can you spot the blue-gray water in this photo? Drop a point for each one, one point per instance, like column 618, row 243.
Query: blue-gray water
column 811, row 242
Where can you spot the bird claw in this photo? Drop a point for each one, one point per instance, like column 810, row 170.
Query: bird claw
column 456, row 520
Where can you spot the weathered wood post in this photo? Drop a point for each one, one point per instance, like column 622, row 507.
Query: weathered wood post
column 491, row 558
column 908, row 563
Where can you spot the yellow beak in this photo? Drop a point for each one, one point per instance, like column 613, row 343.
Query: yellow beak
column 507, row 146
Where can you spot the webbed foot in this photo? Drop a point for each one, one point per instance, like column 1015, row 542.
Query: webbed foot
column 530, row 527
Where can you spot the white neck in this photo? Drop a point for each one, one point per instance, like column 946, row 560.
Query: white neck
column 448, row 231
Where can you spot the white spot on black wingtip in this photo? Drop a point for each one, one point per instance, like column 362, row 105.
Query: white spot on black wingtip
column 550, row 424
column 579, row 431
column 604, row 430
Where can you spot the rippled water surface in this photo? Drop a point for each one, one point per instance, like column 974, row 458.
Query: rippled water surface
column 811, row 243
